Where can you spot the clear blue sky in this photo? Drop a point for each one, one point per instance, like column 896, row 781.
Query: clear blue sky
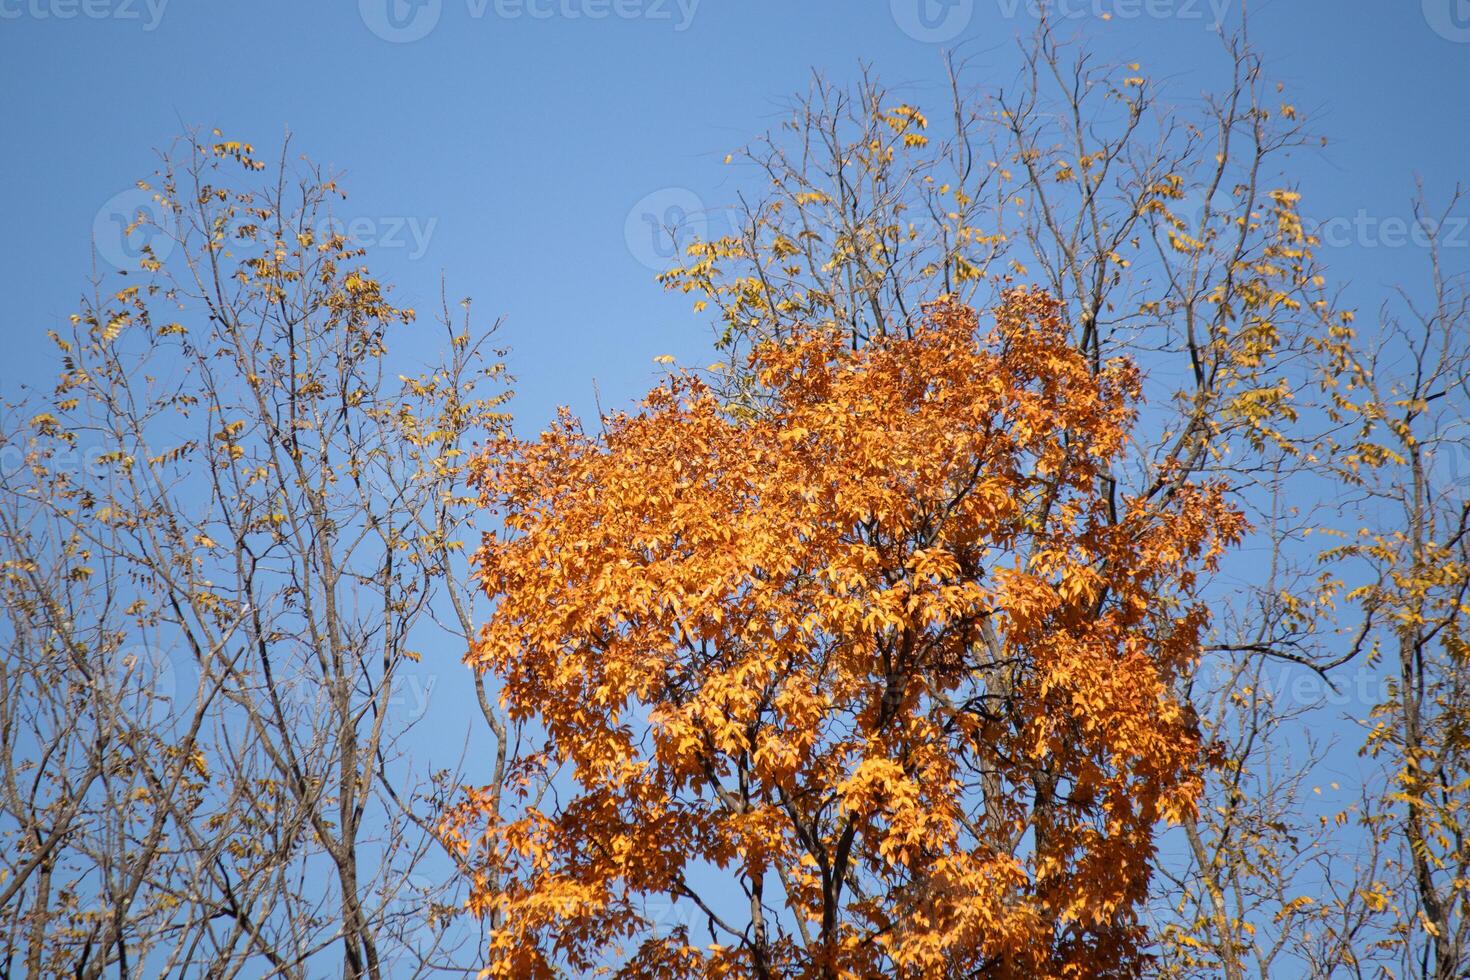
column 512, row 145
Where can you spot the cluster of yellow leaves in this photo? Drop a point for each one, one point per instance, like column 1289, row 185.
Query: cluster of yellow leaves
column 880, row 641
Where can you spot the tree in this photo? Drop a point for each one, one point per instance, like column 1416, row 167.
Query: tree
column 1408, row 400
column 879, row 649
column 1169, row 229
column 877, row 655
column 230, row 536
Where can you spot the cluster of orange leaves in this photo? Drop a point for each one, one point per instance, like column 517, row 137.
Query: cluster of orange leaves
column 873, row 679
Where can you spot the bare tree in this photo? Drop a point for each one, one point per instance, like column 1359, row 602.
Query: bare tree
column 211, row 620
column 1408, row 398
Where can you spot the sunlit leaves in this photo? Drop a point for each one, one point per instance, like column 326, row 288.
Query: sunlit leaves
column 875, row 637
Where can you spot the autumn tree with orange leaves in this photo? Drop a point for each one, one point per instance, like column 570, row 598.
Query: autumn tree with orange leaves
column 877, row 649
column 869, row 677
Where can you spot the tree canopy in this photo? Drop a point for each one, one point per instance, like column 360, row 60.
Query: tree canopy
column 878, row 656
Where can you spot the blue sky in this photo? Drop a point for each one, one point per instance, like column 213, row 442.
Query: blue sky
column 515, row 147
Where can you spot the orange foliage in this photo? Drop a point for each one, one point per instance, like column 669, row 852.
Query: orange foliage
column 873, row 678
